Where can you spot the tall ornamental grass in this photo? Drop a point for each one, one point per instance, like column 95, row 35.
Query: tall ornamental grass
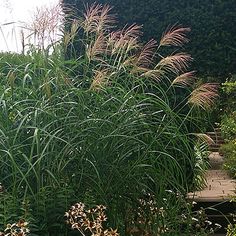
column 106, row 127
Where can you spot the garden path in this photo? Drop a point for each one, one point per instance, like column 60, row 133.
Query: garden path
column 219, row 185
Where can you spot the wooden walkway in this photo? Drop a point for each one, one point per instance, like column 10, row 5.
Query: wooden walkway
column 219, row 186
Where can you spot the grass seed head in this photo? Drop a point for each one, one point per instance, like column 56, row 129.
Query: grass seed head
column 174, row 36
column 204, row 96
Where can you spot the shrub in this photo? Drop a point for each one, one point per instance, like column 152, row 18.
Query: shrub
column 231, row 230
column 228, row 96
column 228, row 126
column 229, row 151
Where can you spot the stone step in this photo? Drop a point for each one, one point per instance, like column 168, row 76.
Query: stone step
column 216, row 145
column 220, row 142
column 216, row 138
column 217, row 141
column 213, row 149
column 214, row 135
column 216, row 197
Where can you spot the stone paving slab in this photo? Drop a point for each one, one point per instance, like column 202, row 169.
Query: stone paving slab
column 219, row 185
column 216, row 160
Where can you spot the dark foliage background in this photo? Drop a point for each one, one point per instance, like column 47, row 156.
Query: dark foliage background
column 213, row 35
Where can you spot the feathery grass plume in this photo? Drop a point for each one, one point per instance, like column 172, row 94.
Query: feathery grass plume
column 67, row 39
column 106, row 20
column 132, row 31
column 174, row 36
column 146, row 55
column 46, row 24
column 90, row 17
column 75, row 25
column 176, row 63
column 96, row 48
column 130, row 36
column 100, row 80
column 130, row 62
column 126, row 39
column 153, row 74
column 204, row 138
column 185, row 79
column 74, row 28
column 204, row 96
column 113, row 37
column 97, row 18
column 116, row 43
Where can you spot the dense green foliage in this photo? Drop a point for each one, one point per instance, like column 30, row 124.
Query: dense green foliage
column 228, row 125
column 213, row 35
column 105, row 128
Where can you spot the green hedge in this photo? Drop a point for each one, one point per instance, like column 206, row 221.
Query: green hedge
column 213, row 35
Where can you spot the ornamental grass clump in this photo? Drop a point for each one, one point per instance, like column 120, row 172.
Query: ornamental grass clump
column 104, row 125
